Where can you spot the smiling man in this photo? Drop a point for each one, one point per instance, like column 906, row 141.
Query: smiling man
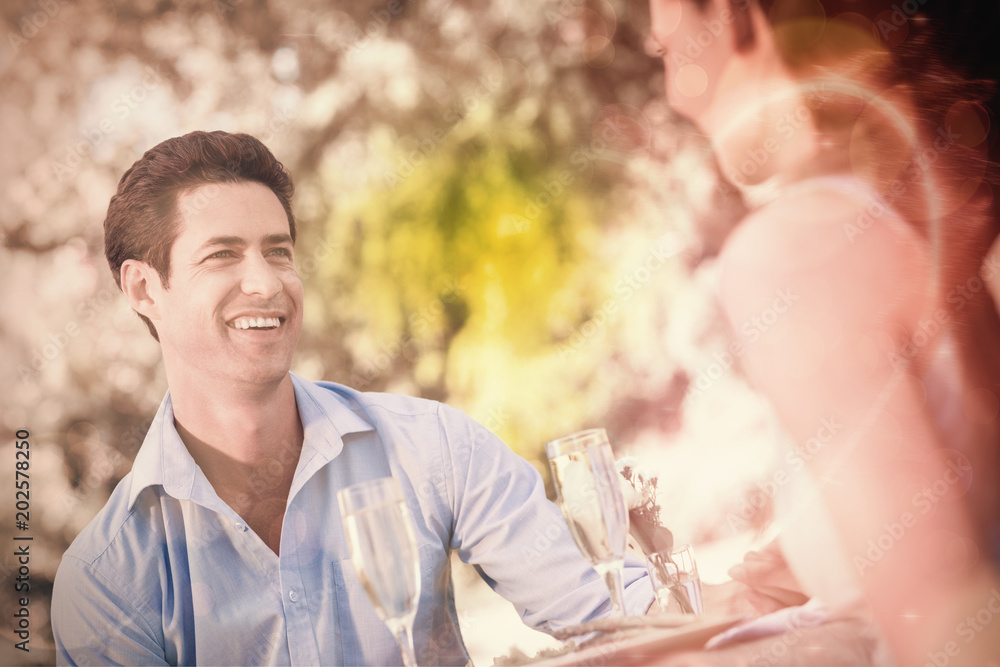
column 224, row 544
column 227, row 316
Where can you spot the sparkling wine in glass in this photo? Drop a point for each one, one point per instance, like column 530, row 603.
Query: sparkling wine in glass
column 586, row 481
column 384, row 553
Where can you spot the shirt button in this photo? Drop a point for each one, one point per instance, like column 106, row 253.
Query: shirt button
column 240, row 527
column 293, row 596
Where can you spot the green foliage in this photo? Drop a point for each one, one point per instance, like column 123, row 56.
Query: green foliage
column 470, row 267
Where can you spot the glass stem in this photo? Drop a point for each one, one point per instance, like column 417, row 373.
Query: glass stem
column 613, row 579
column 404, row 637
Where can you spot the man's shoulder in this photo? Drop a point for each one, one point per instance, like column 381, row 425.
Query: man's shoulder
column 408, row 420
column 364, row 401
column 117, row 527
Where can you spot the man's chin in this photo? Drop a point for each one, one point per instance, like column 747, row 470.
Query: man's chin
column 259, row 375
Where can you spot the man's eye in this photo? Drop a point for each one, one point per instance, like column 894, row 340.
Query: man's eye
column 221, row 254
column 285, row 252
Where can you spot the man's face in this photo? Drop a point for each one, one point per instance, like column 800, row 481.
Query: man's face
column 233, row 310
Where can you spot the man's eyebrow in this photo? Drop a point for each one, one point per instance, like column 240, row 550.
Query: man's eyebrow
column 229, row 241
column 278, row 239
column 240, row 242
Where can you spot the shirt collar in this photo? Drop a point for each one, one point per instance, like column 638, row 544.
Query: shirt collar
column 327, row 416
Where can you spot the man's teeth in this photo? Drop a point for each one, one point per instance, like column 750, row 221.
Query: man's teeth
column 257, row 323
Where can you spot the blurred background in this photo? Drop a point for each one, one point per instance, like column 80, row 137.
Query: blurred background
column 496, row 209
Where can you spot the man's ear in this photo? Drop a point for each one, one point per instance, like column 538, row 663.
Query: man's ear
column 142, row 287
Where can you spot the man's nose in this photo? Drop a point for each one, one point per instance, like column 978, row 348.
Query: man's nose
column 259, row 277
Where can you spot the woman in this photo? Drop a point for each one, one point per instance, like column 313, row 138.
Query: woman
column 855, row 132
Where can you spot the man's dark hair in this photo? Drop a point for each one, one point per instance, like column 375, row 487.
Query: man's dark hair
column 142, row 220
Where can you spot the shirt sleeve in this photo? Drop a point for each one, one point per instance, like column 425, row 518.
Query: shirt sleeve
column 96, row 623
column 518, row 539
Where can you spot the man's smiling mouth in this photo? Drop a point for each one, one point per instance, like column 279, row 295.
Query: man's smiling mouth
column 256, row 322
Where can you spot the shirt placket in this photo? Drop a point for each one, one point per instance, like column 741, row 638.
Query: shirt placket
column 303, row 648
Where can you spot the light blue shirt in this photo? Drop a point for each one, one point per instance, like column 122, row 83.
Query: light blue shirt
column 168, row 573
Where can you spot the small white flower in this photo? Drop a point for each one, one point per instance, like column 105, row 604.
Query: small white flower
column 633, row 499
column 639, row 486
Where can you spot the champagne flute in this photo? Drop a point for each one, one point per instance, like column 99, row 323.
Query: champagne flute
column 384, row 553
column 674, row 575
column 586, row 481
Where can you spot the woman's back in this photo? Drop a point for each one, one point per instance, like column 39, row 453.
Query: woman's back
column 873, row 344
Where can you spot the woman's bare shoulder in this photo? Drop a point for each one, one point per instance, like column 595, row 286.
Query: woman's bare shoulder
column 849, row 253
column 811, row 226
column 820, row 314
